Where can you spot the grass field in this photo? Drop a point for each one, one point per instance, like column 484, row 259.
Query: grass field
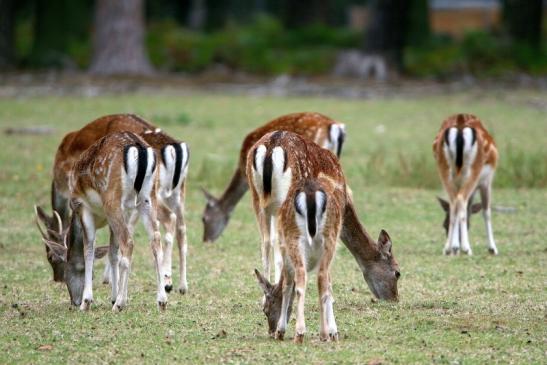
column 453, row 310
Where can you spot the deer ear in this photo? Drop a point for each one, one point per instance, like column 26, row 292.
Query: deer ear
column 55, row 249
column 384, row 243
column 101, row 251
column 444, row 204
column 263, row 282
column 475, row 208
column 208, row 195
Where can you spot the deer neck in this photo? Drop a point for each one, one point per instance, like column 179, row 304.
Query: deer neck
column 357, row 239
column 234, row 192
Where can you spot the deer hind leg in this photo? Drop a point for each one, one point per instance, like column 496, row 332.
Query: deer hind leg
column 278, row 258
column 88, row 224
column 112, row 265
column 300, row 287
column 266, row 247
column 288, row 287
column 123, row 238
column 453, row 239
column 486, row 193
column 461, row 217
column 168, row 219
column 182, row 243
column 147, row 212
column 328, row 329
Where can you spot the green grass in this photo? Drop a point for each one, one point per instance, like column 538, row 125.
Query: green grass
column 478, row 309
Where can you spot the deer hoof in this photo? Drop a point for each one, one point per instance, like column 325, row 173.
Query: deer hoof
column 493, row 250
column 183, row 289
column 468, row 252
column 162, row 306
column 455, row 251
column 333, row 337
column 279, row 335
column 117, row 308
column 299, row 338
column 86, row 304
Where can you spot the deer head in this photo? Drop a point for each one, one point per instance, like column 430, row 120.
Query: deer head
column 471, row 209
column 214, row 218
column 65, row 251
column 382, row 273
column 273, row 298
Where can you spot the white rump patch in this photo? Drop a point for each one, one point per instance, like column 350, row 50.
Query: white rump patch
column 167, row 170
column 185, row 162
column 281, row 180
column 469, row 149
column 302, row 219
column 259, row 157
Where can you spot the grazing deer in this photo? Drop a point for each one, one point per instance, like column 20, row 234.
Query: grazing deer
column 309, row 225
column 66, row 252
column 313, row 126
column 276, row 163
column 174, row 158
column 113, row 183
column 466, row 160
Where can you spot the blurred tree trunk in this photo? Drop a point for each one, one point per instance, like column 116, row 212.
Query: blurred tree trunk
column 118, row 39
column 305, row 12
column 523, row 20
column 7, row 14
column 197, row 14
column 385, row 35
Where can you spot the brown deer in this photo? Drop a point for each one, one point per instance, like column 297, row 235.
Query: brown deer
column 275, row 164
column 113, row 183
column 313, row 126
column 466, row 158
column 174, row 158
column 309, row 225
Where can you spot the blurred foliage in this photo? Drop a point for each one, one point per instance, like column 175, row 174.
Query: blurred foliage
column 479, row 53
column 263, row 46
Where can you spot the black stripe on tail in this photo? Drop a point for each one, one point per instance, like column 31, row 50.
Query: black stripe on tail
column 267, row 175
column 141, row 166
column 341, row 139
column 459, row 149
column 312, row 209
column 178, row 163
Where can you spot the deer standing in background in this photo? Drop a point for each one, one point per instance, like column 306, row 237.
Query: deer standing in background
column 173, row 157
column 313, row 126
column 275, row 164
column 466, row 160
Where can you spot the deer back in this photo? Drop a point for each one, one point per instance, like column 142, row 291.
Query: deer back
column 281, row 158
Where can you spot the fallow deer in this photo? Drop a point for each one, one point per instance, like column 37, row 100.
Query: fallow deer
column 174, row 157
column 466, row 158
column 314, row 126
column 275, row 164
column 309, row 225
column 113, row 183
